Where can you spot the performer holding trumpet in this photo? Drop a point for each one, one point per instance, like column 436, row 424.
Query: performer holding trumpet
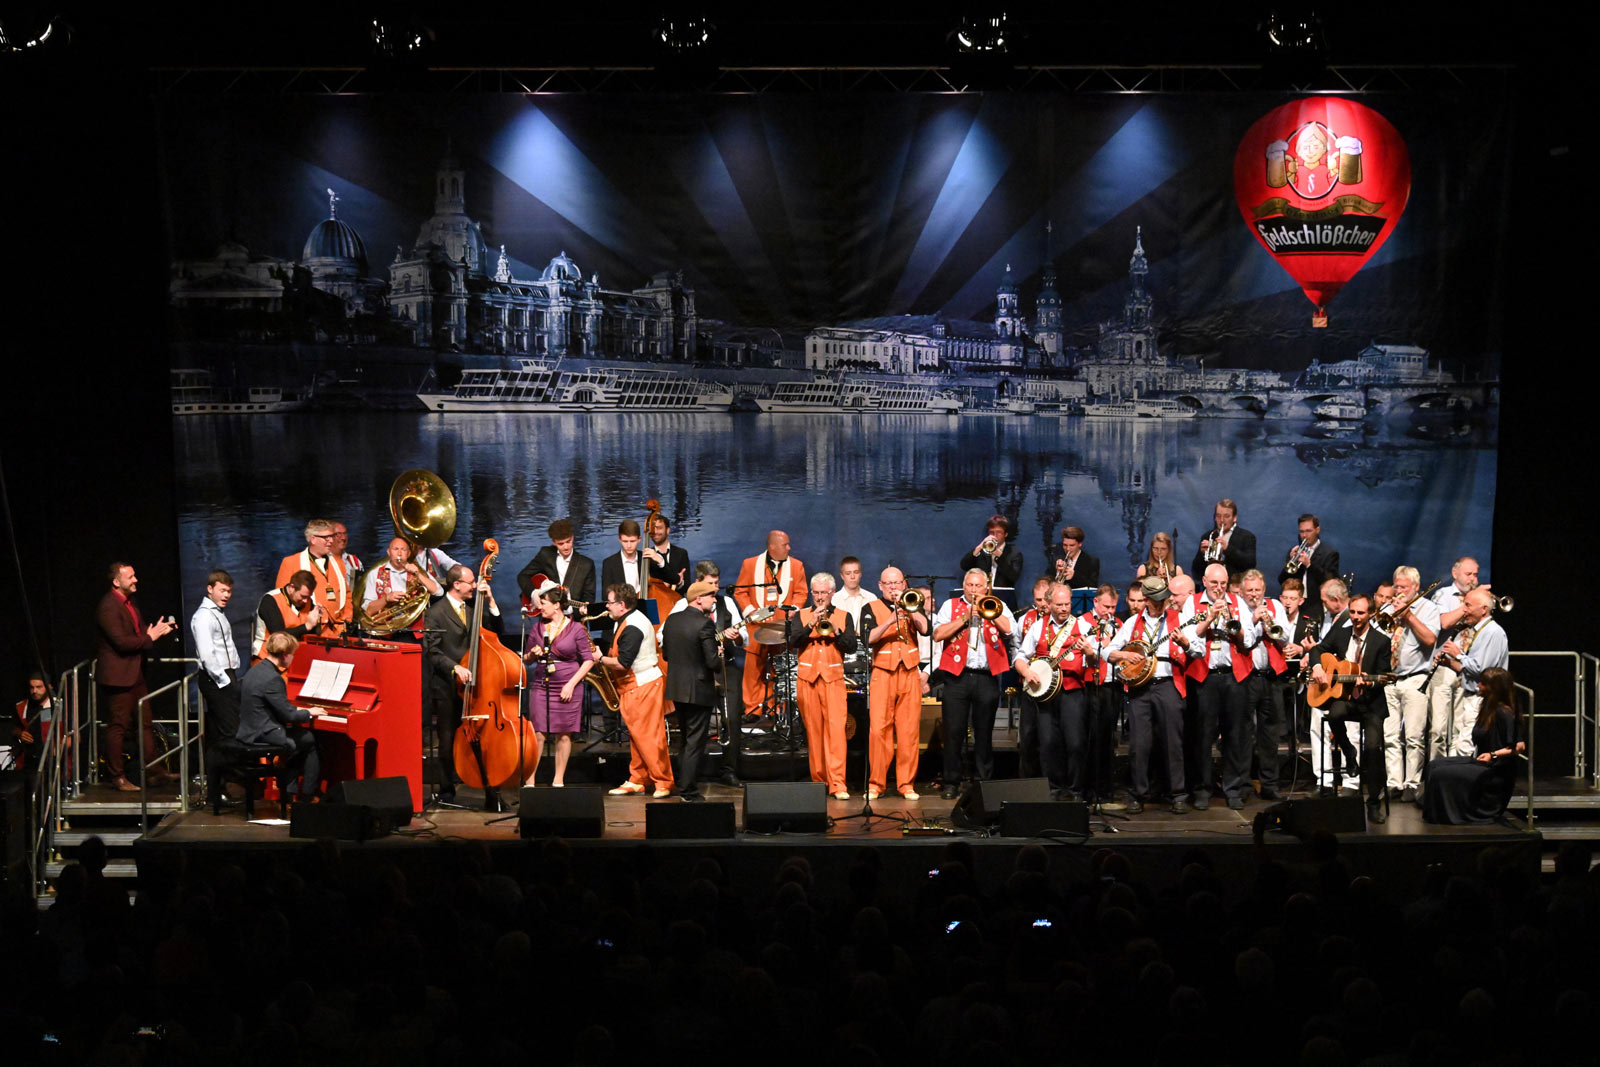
column 996, row 556
column 1220, row 640
column 1228, row 543
column 1412, row 623
column 1312, row 561
column 823, row 634
column 1053, row 651
column 894, row 699
column 972, row 667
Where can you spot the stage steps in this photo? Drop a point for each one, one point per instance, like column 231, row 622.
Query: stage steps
column 112, row 816
column 1565, row 810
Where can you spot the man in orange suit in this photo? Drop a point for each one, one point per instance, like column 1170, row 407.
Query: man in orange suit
column 894, row 699
column 820, row 691
column 332, row 592
column 766, row 582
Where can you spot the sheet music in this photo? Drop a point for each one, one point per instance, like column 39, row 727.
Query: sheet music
column 327, row 680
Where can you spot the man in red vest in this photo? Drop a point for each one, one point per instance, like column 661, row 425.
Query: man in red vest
column 1220, row 635
column 1058, row 638
column 1268, row 665
column 976, row 654
column 1155, row 709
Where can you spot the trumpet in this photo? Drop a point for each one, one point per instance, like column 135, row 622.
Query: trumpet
column 990, row 546
column 1504, row 604
column 1294, row 566
column 1214, row 546
column 824, row 630
column 1234, row 626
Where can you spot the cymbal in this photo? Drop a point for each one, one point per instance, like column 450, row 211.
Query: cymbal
column 768, row 635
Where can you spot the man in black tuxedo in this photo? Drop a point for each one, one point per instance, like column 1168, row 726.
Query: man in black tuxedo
column 267, row 718
column 1355, row 640
column 1003, row 563
column 1314, row 561
column 558, row 562
column 1072, row 565
column 1238, row 544
column 446, row 640
column 689, row 640
column 667, row 561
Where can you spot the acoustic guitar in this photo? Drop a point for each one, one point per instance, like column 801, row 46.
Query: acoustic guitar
column 1343, row 678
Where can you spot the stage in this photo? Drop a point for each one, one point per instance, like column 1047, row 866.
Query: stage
column 1159, row 844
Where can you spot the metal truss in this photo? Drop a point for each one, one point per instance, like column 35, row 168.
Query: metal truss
column 334, row 81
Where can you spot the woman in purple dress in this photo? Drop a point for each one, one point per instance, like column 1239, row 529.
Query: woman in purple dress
column 559, row 656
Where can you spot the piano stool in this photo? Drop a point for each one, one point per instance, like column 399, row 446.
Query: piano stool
column 249, row 764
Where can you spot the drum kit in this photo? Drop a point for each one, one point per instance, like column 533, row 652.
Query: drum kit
column 778, row 717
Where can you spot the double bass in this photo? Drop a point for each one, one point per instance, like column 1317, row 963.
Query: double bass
column 494, row 745
column 663, row 593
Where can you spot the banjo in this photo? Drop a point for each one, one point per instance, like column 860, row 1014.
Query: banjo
column 1046, row 665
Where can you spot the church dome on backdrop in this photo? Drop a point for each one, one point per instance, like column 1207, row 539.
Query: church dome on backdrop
column 561, row 269
column 335, row 239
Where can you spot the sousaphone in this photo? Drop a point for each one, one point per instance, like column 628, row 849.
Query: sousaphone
column 424, row 513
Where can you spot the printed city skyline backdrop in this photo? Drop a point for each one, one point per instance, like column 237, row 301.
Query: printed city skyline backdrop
column 765, row 307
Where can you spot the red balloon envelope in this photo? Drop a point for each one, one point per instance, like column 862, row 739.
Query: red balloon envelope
column 1322, row 183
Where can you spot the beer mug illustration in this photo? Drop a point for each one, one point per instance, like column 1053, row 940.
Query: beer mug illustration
column 1277, row 174
column 1349, row 149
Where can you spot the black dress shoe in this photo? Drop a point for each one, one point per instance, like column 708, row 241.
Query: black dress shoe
column 1201, row 802
column 1236, row 803
column 696, row 797
column 1376, row 814
column 1408, row 795
column 1269, row 793
column 1180, row 807
column 1133, row 807
column 949, row 792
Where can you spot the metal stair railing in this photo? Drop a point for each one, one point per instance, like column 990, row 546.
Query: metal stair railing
column 181, row 719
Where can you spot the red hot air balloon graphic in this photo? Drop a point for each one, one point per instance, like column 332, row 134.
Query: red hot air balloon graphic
column 1322, row 183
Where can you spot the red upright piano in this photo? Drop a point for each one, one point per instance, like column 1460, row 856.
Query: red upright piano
column 375, row 731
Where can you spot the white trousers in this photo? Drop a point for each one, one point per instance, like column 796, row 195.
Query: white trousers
column 1404, row 740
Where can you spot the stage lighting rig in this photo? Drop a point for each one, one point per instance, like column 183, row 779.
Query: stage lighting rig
column 684, row 34
column 982, row 33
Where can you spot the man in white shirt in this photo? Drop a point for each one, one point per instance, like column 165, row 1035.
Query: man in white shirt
column 1481, row 644
column 851, row 598
column 1267, row 665
column 1155, row 709
column 1410, row 657
column 219, row 657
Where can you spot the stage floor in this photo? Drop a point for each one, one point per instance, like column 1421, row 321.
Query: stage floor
column 1400, row 851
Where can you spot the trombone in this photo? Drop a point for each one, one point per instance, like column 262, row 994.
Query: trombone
column 910, row 603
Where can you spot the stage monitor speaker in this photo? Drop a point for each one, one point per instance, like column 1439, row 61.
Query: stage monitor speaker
column 344, row 822
column 390, row 795
column 1026, row 818
column 668, row 822
column 773, row 806
column 983, row 800
column 1302, row 818
column 568, row 812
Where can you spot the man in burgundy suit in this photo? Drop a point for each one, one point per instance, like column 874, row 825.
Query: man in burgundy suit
column 125, row 638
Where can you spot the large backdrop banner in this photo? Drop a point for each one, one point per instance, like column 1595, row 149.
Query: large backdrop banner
column 869, row 320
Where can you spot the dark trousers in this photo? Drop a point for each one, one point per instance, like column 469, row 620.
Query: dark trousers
column 1368, row 717
column 222, row 707
column 1063, row 741
column 121, row 703
column 300, row 761
column 1155, row 731
column 446, row 718
column 696, row 722
column 1102, row 707
column 1029, row 741
column 1221, row 701
column 970, row 699
column 1263, row 694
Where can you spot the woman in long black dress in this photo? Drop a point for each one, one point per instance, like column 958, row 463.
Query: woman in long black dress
column 1477, row 788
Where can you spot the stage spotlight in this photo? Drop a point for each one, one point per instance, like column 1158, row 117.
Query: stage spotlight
column 982, row 32
column 25, row 32
column 684, row 33
column 1290, row 31
column 398, row 40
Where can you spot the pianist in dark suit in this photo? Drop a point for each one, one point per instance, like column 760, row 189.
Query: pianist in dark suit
column 267, row 718
column 559, row 562
column 446, row 640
